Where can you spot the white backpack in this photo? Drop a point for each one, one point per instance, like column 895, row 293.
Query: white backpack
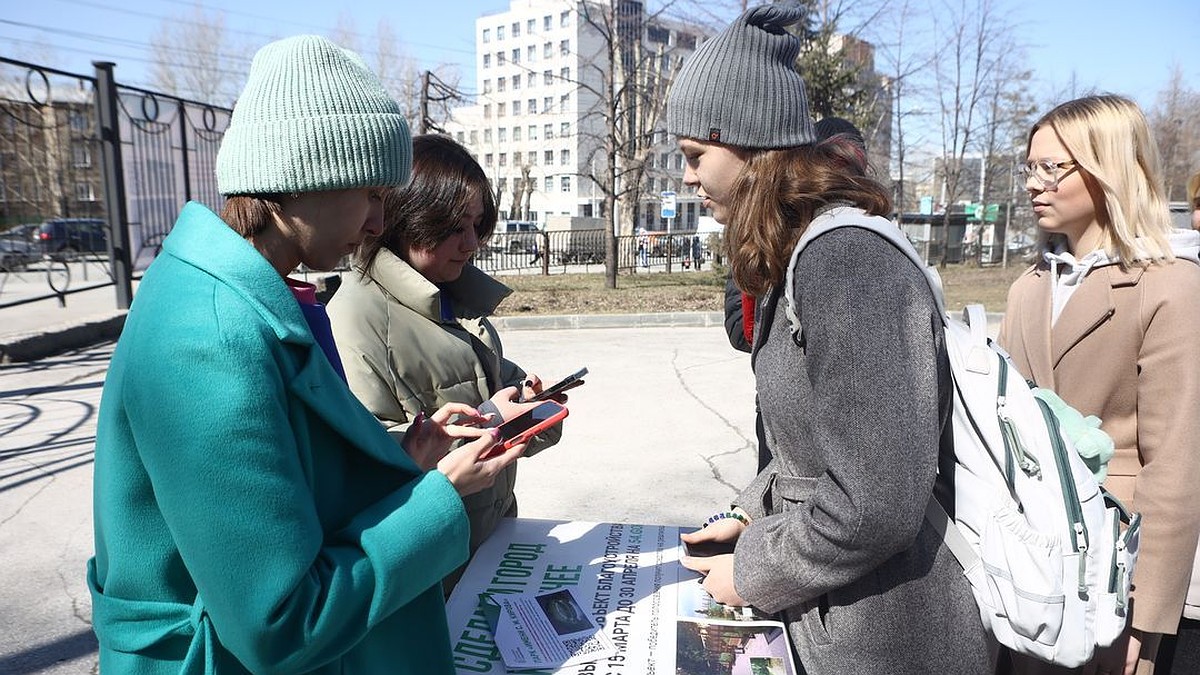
column 1039, row 539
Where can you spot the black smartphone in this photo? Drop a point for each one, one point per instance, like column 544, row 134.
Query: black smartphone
column 569, row 382
column 705, row 549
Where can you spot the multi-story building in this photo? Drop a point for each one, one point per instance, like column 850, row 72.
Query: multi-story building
column 49, row 160
column 538, row 126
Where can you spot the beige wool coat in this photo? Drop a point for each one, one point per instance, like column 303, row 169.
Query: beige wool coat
column 1126, row 348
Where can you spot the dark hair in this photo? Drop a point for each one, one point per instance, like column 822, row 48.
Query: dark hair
column 249, row 215
column 423, row 213
column 781, row 191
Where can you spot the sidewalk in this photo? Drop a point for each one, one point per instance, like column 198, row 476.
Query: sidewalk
column 662, row 432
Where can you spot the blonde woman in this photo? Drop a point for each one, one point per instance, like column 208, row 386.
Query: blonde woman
column 1108, row 319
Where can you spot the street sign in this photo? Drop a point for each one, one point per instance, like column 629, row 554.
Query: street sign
column 668, row 204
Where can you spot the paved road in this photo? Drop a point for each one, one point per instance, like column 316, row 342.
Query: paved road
column 662, row 432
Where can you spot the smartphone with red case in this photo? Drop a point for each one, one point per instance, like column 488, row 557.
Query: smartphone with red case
column 527, row 425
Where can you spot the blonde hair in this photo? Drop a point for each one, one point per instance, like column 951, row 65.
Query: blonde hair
column 1194, row 190
column 780, row 191
column 1110, row 141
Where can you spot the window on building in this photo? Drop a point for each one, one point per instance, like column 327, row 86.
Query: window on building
column 516, row 55
column 501, row 83
column 487, row 60
column 516, row 29
column 530, row 79
column 499, row 32
column 84, row 193
column 501, row 59
column 487, row 136
column 658, row 34
column 564, row 19
column 533, row 159
column 503, row 158
column 565, row 183
column 564, row 129
column 663, row 160
column 460, row 137
column 548, row 157
column 531, row 106
column 547, row 77
column 500, row 109
column 77, row 120
column 474, row 136
column 532, row 132
column 487, row 111
column 564, row 157
column 516, row 107
column 548, row 184
column 547, row 104
column 530, row 25
column 487, row 159
column 516, row 158
column 502, row 134
column 564, row 102
column 565, row 74
column 548, row 130
column 564, row 47
column 516, row 133
column 487, row 35
column 531, row 53
column 547, row 50
column 502, row 185
column 81, row 155
column 546, row 22
column 487, row 86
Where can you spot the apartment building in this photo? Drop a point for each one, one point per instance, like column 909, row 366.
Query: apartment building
column 538, row 127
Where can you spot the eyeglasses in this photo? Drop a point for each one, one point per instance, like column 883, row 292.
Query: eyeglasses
column 1046, row 171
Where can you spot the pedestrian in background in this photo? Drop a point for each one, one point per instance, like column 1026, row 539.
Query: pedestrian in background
column 250, row 514
column 1108, row 319
column 831, row 534
column 412, row 319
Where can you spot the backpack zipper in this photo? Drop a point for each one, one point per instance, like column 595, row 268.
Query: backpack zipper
column 1079, row 536
column 1013, row 446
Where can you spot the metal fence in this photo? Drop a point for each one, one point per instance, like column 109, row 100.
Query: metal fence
column 75, row 146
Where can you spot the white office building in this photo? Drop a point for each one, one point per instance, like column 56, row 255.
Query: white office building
column 538, row 127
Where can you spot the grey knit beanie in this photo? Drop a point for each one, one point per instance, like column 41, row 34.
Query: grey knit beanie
column 741, row 87
column 312, row 117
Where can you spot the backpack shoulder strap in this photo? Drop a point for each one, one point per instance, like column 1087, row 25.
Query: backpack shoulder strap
column 848, row 216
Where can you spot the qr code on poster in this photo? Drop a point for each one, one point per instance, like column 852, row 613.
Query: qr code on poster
column 582, row 645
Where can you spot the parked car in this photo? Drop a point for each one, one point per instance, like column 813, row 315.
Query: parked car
column 16, row 248
column 516, row 236
column 69, row 237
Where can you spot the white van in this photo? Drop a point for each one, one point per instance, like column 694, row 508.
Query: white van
column 516, row 236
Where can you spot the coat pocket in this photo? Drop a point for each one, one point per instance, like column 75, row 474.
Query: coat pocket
column 1023, row 571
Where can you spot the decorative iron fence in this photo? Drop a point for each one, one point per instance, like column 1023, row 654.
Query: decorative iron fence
column 85, row 147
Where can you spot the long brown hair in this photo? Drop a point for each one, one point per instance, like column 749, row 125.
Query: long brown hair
column 423, row 213
column 780, row 192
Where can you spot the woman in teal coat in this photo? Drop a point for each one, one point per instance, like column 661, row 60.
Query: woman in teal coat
column 250, row 514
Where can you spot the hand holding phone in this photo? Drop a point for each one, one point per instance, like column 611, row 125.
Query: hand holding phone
column 527, row 425
column 569, row 382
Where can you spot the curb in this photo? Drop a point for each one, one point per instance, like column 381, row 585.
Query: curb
column 59, row 338
column 647, row 320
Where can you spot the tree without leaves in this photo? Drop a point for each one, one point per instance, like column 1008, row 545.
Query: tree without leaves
column 196, row 58
column 626, row 89
column 1175, row 123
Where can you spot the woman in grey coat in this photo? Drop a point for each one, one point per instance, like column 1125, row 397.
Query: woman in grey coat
column 831, row 533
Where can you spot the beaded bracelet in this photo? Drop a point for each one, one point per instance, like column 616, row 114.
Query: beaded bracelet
column 727, row 514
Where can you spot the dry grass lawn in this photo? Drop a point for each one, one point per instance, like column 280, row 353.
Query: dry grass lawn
column 688, row 291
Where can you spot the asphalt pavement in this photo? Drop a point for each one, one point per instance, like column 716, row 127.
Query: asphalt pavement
column 662, row 432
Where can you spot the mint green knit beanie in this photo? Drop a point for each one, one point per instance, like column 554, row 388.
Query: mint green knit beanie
column 312, row 117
